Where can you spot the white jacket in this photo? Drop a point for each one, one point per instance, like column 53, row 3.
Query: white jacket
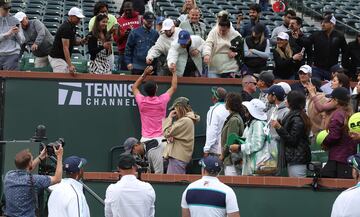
column 179, row 55
column 162, row 45
column 218, row 47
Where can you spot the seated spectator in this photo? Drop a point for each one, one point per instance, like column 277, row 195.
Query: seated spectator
column 234, row 125
column 326, row 88
column 338, row 143
column 188, row 5
column 128, row 21
column 179, row 130
column 248, row 84
column 217, row 53
column 64, row 42
column 193, row 24
column 38, row 36
column 285, row 86
column 304, row 78
column 254, row 14
column 353, row 56
column 294, row 131
column 99, row 46
column 184, row 57
column 11, row 38
column 169, row 33
column 286, row 61
column 265, row 80
column 139, row 42
column 256, row 50
column 288, row 15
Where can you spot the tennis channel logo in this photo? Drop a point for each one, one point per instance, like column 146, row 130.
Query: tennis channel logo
column 95, row 94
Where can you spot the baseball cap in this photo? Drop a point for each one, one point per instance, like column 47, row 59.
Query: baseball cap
column 283, row 36
column 266, row 76
column 256, row 109
column 20, row 16
column 354, row 161
column 129, row 144
column 149, row 16
column 179, row 101
column 329, row 19
column 306, row 69
column 6, row 4
column 212, row 164
column 167, row 24
column 73, row 164
column 184, row 37
column 277, row 91
column 160, row 20
column 285, row 86
column 337, row 68
column 126, row 161
column 74, row 11
column 219, row 93
column 340, row 93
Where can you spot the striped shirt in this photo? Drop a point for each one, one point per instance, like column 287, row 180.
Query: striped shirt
column 209, row 197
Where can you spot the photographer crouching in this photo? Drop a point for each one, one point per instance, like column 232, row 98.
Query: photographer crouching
column 21, row 187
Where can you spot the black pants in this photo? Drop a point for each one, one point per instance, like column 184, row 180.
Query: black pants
column 334, row 169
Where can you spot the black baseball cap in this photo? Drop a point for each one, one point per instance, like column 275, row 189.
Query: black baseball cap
column 126, row 161
column 149, row 16
column 340, row 93
column 277, row 91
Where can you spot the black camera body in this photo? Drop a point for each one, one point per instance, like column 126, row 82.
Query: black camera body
column 50, row 147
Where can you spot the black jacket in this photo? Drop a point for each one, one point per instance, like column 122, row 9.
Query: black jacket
column 285, row 68
column 295, row 140
column 327, row 49
column 353, row 58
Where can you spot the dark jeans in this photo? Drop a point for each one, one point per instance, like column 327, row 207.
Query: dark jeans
column 334, row 169
column 9, row 62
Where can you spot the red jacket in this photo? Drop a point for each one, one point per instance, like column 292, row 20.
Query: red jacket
column 124, row 25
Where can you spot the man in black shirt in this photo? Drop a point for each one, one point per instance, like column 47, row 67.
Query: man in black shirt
column 328, row 44
column 65, row 40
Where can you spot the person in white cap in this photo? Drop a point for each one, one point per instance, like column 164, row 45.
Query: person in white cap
column 285, row 86
column 65, row 40
column 328, row 45
column 168, row 34
column 305, row 73
column 286, row 61
column 38, row 37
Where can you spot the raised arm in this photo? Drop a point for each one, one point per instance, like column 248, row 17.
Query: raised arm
column 173, row 87
column 135, row 88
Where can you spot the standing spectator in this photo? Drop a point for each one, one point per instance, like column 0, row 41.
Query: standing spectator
column 139, row 43
column 248, row 83
column 64, row 42
column 288, row 15
column 99, row 46
column 234, row 124
column 11, row 38
column 129, row 197
column 347, row 203
column 305, row 73
column 112, row 24
column 265, row 80
column 179, row 130
column 217, row 53
column 256, row 50
column 338, row 142
column 297, row 39
column 287, row 63
column 328, row 44
column 193, row 24
column 353, row 56
column 188, row 5
column 151, row 151
column 254, row 14
column 67, row 198
column 294, row 132
column 184, row 57
column 208, row 196
column 38, row 36
column 355, row 96
column 128, row 21
column 254, row 150
column 20, row 186
column 215, row 119
column 152, row 108
column 169, row 33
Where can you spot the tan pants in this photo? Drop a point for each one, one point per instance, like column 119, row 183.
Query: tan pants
column 41, row 62
column 58, row 65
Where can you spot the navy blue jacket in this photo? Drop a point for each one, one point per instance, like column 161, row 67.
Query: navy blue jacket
column 139, row 42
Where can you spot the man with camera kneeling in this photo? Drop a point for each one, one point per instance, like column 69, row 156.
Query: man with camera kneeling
column 67, row 198
column 20, row 186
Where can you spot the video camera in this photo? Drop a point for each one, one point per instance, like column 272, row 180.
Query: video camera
column 50, row 147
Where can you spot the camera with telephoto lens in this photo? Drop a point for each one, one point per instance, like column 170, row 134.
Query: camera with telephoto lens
column 50, row 147
column 141, row 163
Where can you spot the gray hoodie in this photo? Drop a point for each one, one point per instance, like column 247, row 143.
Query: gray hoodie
column 10, row 45
column 37, row 33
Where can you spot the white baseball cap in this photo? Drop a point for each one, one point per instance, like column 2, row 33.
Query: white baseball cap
column 20, row 16
column 256, row 109
column 283, row 36
column 306, row 69
column 167, row 24
column 285, row 86
column 74, row 11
